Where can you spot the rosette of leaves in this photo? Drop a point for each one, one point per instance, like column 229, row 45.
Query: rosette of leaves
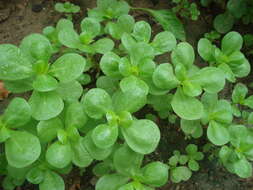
column 235, row 9
column 39, row 173
column 140, row 50
column 239, row 98
column 22, row 148
column 142, row 136
column 140, row 53
column 28, row 68
column 109, row 9
column 182, row 172
column 229, row 58
column 236, row 158
column 130, row 173
column 52, row 32
column 67, row 146
column 188, row 80
column 186, row 9
column 218, row 114
column 90, row 29
column 67, row 7
column 212, row 36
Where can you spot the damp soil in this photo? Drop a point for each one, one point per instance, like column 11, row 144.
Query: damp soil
column 19, row 18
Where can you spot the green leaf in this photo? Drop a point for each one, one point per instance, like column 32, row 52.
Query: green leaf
column 222, row 112
column 223, row 22
column 68, row 67
column 239, row 93
column 146, row 68
column 127, row 41
column 36, row 47
column 169, row 22
column 64, row 23
column 94, row 151
column 241, row 70
column 19, row 86
column 90, row 26
column 47, row 130
column 243, row 168
column 134, row 85
column 52, row 181
column 142, row 31
column 45, row 105
column 75, row 115
column 191, row 127
column 104, row 136
column 128, row 186
column 183, row 54
column 227, row 72
column 125, row 23
column 191, row 88
column 128, row 101
column 109, row 84
column 164, row 78
column 4, row 134
column 155, row 174
column 17, row 114
column 140, row 51
column 69, row 37
column 237, row 8
column 250, row 119
column 179, row 174
column 13, row 64
column 164, row 42
column 70, row 91
column 173, row 160
column 111, row 181
column 238, row 135
column 231, row 42
column 103, row 45
column 118, row 8
column 96, row 103
column 80, row 156
column 59, row 155
column 215, row 81
column 217, row 133
column 22, row 149
column 8, row 183
column 126, row 161
column 194, row 107
column 35, row 175
column 142, row 136
column 191, row 149
column 45, row 83
column 109, row 64
column 206, row 50
column 101, row 169
column 193, row 165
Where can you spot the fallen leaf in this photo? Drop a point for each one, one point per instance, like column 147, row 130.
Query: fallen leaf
column 3, row 92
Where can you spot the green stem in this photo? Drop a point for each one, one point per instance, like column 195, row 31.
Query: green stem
column 140, row 9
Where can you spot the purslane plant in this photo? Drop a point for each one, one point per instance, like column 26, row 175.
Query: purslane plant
column 67, row 8
column 182, row 172
column 64, row 124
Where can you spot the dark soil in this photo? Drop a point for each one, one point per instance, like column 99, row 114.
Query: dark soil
column 19, row 18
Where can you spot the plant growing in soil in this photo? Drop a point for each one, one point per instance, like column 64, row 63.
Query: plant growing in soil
column 66, row 123
column 67, row 8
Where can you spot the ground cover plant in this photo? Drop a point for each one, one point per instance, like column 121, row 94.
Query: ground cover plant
column 75, row 118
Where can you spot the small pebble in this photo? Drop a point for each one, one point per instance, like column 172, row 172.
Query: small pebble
column 37, row 8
